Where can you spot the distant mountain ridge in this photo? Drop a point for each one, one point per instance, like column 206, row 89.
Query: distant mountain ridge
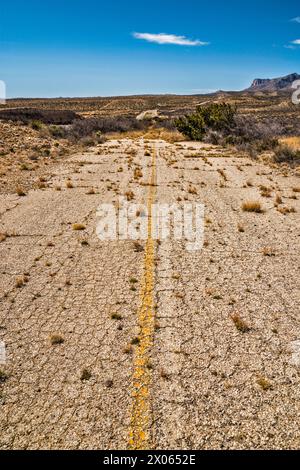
column 274, row 84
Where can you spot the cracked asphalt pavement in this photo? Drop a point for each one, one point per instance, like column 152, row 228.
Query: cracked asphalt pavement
column 123, row 344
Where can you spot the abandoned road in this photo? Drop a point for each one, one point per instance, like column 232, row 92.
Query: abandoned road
column 124, row 344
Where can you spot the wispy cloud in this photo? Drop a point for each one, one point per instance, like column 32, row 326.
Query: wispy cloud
column 296, row 20
column 296, row 42
column 163, row 38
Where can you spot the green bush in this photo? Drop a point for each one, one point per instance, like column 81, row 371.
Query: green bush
column 217, row 117
column 36, row 125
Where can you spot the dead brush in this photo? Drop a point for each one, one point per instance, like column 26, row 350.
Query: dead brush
column 20, row 192
column 3, row 376
column 264, row 383
column 56, row 339
column 138, row 174
column 239, row 323
column 78, row 227
column 138, row 248
column 3, row 237
column 286, row 210
column 269, row 252
column 223, row 174
column 192, row 190
column 21, row 281
column 265, row 191
column 252, row 206
column 90, row 191
column 129, row 195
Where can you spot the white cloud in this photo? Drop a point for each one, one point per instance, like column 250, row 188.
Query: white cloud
column 296, row 20
column 296, row 42
column 163, row 38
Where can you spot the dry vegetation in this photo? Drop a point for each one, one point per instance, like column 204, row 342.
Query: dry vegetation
column 36, row 134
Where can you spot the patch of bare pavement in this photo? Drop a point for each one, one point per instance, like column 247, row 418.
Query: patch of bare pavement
column 116, row 344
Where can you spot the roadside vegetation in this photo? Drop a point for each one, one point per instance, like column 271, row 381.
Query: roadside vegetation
column 220, row 124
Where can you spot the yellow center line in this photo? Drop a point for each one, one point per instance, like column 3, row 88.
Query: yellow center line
column 140, row 424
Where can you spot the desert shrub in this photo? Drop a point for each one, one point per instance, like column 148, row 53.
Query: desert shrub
column 213, row 117
column 36, row 125
column 163, row 123
column 285, row 154
column 57, row 132
column 97, row 126
column 45, row 116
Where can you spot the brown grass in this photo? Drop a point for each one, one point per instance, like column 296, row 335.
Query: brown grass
column 116, row 316
column 56, row 339
column 264, row 383
column 3, row 376
column 85, row 375
column 252, row 206
column 138, row 248
column 20, row 192
column 268, row 251
column 265, row 191
column 90, row 191
column 78, row 227
column 286, row 210
column 239, row 323
column 138, row 173
column 129, row 195
column 292, row 142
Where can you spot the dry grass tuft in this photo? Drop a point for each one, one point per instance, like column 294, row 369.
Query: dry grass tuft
column 90, row 191
column 267, row 251
column 116, row 316
column 85, row 375
column 3, row 376
column 129, row 195
column 78, row 227
column 56, row 339
column 265, row 191
column 239, row 323
column 286, row 210
column 252, row 206
column 264, row 383
column 135, row 341
column 138, row 248
column 20, row 192
column 21, row 281
column 138, row 174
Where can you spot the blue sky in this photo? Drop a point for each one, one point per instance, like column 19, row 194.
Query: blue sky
column 88, row 48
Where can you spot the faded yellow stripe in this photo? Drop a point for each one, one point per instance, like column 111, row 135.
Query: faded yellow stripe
column 139, row 435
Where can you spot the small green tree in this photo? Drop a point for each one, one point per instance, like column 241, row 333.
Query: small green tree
column 215, row 116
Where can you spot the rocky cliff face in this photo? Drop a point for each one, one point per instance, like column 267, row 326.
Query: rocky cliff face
column 275, row 84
